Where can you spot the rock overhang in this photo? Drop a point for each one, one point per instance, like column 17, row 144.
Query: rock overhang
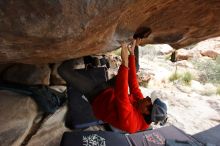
column 37, row 31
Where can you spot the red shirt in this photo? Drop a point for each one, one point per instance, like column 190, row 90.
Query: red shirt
column 115, row 106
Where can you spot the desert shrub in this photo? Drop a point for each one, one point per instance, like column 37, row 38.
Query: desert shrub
column 187, row 78
column 174, row 76
column 149, row 52
column 144, row 84
column 167, row 57
column 117, row 52
column 218, row 59
column 218, row 90
column 208, row 68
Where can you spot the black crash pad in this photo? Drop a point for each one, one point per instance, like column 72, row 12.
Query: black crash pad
column 157, row 137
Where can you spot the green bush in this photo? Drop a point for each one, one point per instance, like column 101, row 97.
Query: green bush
column 209, row 69
column 144, row 84
column 187, row 78
column 149, row 52
column 218, row 90
column 218, row 59
column 117, row 52
column 167, row 57
column 174, row 76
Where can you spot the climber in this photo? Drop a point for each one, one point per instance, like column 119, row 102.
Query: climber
column 111, row 101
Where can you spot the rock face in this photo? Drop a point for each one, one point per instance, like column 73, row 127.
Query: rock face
column 48, row 31
column 183, row 54
column 55, row 78
column 52, row 130
column 211, row 53
column 27, row 74
column 17, row 115
column 210, row 47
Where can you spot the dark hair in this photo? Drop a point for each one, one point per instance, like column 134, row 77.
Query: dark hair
column 147, row 118
column 142, row 32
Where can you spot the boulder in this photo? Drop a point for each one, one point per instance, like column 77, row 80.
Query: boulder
column 17, row 116
column 51, row 130
column 27, row 74
column 58, row 88
column 55, row 78
column 212, row 53
column 166, row 49
column 49, row 31
column 3, row 67
column 209, row 47
column 183, row 54
column 52, row 127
